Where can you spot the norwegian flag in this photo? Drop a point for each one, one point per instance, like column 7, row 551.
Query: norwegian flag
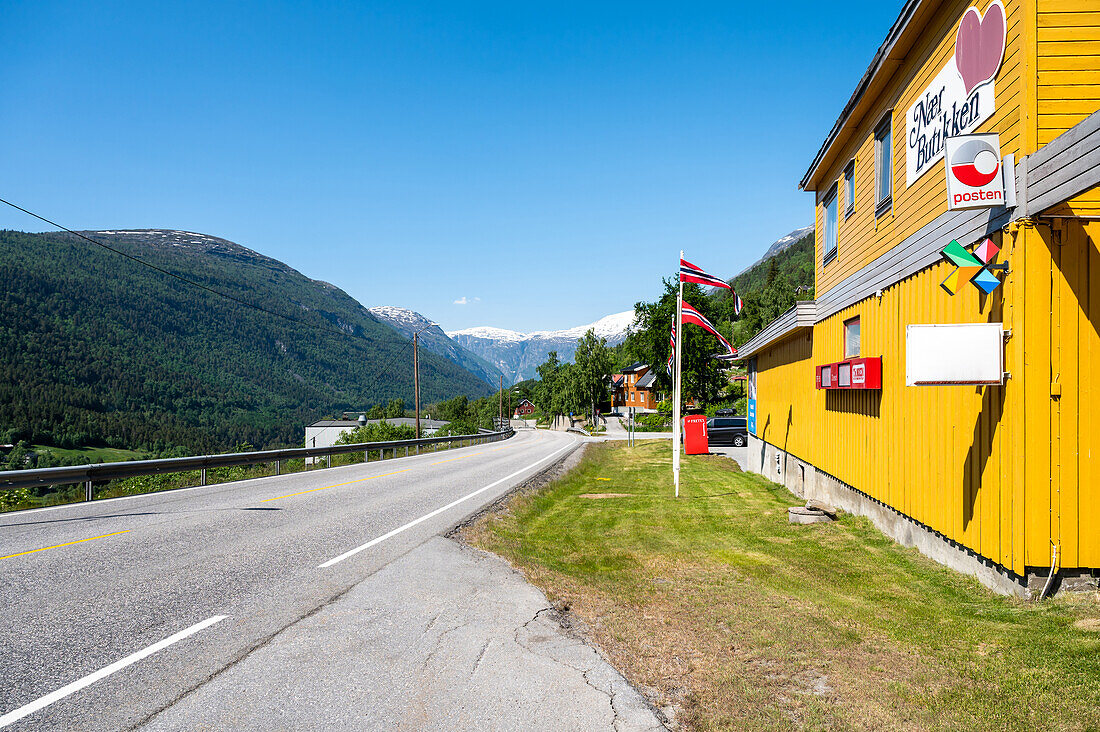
column 691, row 315
column 671, row 349
column 690, row 273
column 738, row 306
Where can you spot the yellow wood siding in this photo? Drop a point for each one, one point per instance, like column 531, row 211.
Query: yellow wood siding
column 862, row 238
column 1068, row 64
column 999, row 470
column 1086, row 204
column 785, row 411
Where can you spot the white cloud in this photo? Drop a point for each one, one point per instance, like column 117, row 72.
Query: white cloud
column 467, row 301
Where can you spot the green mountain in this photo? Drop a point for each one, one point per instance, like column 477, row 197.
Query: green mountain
column 96, row 349
column 771, row 286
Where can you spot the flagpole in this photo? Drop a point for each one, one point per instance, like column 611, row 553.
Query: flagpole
column 677, row 386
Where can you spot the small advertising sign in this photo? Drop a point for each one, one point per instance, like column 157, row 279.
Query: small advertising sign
column 752, row 416
column 974, row 176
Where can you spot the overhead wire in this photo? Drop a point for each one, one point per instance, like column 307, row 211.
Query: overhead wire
column 213, row 291
column 179, row 277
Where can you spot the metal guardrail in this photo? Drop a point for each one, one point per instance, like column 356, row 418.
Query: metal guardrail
column 102, row 472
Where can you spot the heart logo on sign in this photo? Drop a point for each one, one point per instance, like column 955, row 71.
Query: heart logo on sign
column 980, row 45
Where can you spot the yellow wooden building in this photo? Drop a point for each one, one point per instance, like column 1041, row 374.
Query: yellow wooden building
column 994, row 480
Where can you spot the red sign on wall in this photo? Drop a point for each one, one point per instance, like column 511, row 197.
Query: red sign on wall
column 853, row 373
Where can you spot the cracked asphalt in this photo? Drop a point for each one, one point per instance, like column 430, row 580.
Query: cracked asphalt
column 209, row 608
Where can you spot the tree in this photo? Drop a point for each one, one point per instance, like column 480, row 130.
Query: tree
column 591, row 372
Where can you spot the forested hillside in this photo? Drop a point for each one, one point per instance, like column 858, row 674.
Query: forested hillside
column 768, row 289
column 96, row 349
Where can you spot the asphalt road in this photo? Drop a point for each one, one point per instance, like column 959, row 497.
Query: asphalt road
column 118, row 610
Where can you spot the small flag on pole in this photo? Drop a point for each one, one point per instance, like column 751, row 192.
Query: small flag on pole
column 690, row 273
column 671, row 349
column 693, row 316
column 738, row 306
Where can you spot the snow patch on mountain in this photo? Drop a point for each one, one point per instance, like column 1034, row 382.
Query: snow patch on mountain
column 518, row 354
column 610, row 327
column 406, row 322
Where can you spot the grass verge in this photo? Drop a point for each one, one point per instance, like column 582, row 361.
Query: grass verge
column 729, row 617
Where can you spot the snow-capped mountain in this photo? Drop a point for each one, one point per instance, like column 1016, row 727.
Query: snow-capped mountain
column 406, row 322
column 780, row 244
column 518, row 355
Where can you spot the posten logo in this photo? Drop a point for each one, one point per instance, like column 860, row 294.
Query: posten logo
column 976, row 163
column 974, row 178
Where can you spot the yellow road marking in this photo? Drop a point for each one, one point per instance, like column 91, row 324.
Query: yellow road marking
column 452, row 460
column 68, row 543
column 603, row 478
column 350, row 482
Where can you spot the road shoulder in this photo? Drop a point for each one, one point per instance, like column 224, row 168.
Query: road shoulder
column 445, row 637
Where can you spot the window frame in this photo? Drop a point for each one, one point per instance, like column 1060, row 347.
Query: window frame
column 850, row 188
column 830, row 199
column 859, row 340
column 884, row 130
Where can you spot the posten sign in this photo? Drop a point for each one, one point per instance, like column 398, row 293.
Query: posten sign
column 963, row 94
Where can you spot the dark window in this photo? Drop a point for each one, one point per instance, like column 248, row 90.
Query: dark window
column 884, row 169
column 851, row 338
column 829, row 204
column 850, row 188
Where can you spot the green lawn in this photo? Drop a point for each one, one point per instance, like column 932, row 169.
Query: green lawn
column 714, row 603
column 93, row 454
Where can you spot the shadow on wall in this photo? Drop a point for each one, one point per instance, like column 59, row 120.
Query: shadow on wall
column 981, row 447
column 868, row 403
column 985, row 425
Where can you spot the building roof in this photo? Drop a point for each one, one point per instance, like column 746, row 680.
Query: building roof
column 646, row 381
column 635, row 367
column 801, row 315
column 890, row 55
column 617, row 380
column 408, row 421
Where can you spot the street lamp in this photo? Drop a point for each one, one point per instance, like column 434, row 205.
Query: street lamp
column 416, row 375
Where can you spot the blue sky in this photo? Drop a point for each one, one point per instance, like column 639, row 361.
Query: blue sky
column 542, row 162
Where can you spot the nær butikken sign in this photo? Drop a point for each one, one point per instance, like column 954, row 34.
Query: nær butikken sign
column 963, row 94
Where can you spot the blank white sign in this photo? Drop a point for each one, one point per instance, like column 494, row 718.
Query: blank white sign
column 963, row 353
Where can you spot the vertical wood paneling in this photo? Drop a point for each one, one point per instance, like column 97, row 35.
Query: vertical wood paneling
column 1068, row 63
column 1000, row 470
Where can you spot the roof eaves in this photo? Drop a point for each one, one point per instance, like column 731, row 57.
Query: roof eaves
column 877, row 63
column 800, row 316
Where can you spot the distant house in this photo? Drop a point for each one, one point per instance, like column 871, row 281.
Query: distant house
column 325, row 432
column 523, row 409
column 635, row 387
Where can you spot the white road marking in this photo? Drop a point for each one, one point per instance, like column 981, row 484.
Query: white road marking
column 103, row 673
column 440, row 510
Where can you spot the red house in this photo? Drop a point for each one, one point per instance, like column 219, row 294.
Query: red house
column 524, row 409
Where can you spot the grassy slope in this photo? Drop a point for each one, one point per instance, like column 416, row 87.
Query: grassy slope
column 98, row 350
column 718, row 604
column 92, row 454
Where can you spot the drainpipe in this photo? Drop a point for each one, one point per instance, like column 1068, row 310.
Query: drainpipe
column 1050, row 577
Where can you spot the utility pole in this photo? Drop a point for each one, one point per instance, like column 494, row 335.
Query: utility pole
column 500, row 422
column 416, row 380
column 416, row 375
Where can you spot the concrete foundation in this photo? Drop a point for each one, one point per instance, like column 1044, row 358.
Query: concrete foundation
column 806, row 481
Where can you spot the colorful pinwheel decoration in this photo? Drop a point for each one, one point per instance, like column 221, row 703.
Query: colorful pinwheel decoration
column 976, row 268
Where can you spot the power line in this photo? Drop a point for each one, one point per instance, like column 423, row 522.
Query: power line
column 186, row 280
column 179, row 277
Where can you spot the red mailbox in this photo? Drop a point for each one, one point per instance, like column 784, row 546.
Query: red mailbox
column 695, row 435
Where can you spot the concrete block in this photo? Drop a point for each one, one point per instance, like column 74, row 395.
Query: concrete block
column 803, row 515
